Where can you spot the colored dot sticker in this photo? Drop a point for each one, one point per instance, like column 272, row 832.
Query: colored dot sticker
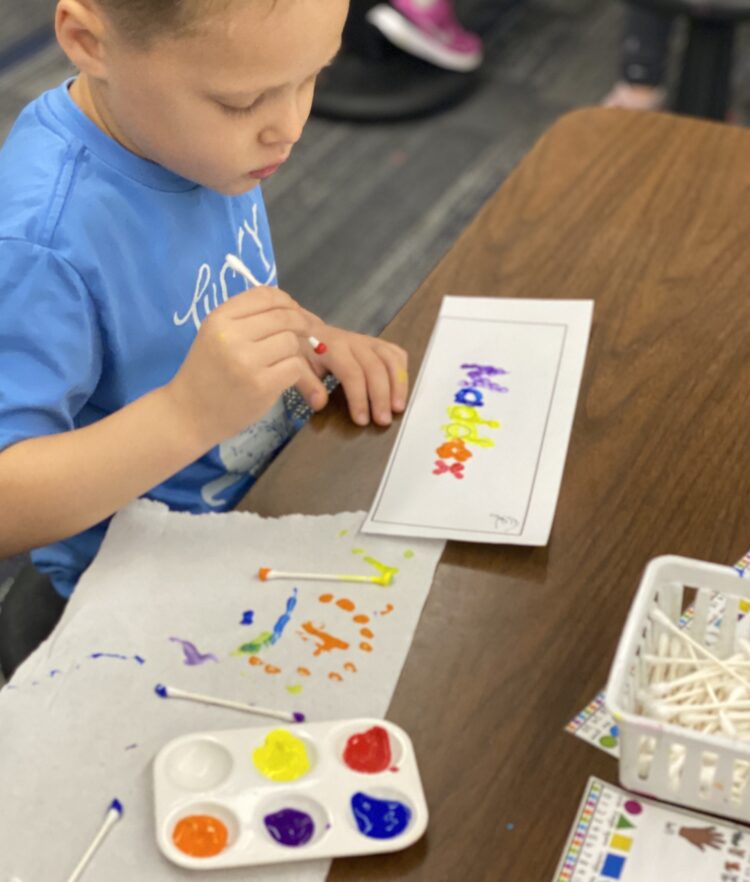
column 200, row 836
column 380, row 818
column 633, row 807
column 369, row 751
column 290, row 827
column 283, row 757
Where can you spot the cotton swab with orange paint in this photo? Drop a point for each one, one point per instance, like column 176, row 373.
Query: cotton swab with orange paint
column 234, row 263
column 266, row 574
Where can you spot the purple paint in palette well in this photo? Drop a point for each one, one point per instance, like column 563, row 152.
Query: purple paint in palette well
column 192, row 655
column 290, row 827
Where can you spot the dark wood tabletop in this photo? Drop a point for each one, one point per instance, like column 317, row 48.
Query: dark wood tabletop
column 649, row 216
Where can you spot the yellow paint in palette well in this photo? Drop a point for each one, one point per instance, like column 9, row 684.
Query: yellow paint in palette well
column 282, row 757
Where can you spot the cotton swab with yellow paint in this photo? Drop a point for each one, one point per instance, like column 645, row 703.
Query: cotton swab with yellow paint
column 266, row 574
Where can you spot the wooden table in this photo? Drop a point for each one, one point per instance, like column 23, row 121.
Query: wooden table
column 649, row 216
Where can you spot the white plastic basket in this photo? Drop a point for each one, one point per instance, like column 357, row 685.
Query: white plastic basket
column 714, row 773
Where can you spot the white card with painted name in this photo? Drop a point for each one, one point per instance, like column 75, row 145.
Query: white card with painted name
column 481, row 449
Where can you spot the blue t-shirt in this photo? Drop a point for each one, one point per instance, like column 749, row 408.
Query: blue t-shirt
column 108, row 265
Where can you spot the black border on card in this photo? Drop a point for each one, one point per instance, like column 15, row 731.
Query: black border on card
column 402, row 433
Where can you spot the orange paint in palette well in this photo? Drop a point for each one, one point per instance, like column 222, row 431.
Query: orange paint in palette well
column 200, row 836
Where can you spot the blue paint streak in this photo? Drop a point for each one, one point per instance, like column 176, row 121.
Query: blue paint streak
column 283, row 620
column 55, row 672
column 247, row 617
column 108, row 655
column 141, row 661
column 380, row 818
column 161, row 691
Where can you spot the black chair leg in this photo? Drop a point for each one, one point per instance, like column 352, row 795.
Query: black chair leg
column 706, row 70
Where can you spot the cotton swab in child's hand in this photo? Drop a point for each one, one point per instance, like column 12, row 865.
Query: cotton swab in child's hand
column 238, row 266
column 170, row 692
column 113, row 816
column 266, row 574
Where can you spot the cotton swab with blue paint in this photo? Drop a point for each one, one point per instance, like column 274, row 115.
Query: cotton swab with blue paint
column 113, row 816
column 234, row 263
column 170, row 692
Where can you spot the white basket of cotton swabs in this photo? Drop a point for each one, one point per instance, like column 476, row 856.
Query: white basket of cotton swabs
column 679, row 687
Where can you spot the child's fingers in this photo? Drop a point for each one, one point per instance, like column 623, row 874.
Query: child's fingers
column 378, row 385
column 274, row 321
column 254, row 301
column 352, row 378
column 396, row 361
column 311, row 388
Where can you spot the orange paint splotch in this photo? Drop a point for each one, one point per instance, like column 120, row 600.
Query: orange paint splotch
column 350, row 666
column 365, row 647
column 200, row 836
column 272, row 669
column 366, row 632
column 334, row 676
column 303, row 672
column 326, row 642
column 325, row 598
column 254, row 660
column 361, row 619
column 345, row 603
column 388, row 608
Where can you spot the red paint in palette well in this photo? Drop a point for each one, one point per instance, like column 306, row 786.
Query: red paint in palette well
column 369, row 751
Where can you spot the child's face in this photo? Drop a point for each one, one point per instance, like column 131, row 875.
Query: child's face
column 225, row 105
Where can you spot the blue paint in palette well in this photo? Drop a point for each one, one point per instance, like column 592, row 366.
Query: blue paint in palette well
column 380, row 818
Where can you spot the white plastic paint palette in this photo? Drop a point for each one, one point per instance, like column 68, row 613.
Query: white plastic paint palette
column 280, row 793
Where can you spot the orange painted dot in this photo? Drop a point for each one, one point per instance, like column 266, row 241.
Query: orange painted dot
column 361, row 619
column 350, row 666
column 200, row 836
column 254, row 660
column 388, row 608
column 272, row 669
column 346, row 604
column 325, row 598
column 303, row 672
column 365, row 647
column 334, row 676
column 366, row 632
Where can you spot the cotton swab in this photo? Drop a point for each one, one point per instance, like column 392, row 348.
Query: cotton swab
column 113, row 816
column 170, row 692
column 266, row 574
column 238, row 266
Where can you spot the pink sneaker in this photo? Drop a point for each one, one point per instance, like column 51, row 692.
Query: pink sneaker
column 430, row 30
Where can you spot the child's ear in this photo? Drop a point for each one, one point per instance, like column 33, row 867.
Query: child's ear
column 81, row 31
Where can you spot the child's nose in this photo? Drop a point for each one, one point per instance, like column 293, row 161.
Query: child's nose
column 286, row 127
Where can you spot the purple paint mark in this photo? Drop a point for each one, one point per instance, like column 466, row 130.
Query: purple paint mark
column 161, row 691
column 131, row 747
column 108, row 655
column 192, row 655
column 139, row 659
column 54, row 672
column 290, row 827
column 298, row 717
column 247, row 617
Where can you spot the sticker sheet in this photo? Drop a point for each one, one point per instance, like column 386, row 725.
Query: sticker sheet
column 174, row 599
column 480, row 452
column 619, row 837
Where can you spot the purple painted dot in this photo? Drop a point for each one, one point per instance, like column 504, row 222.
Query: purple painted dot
column 298, row 717
column 290, row 827
column 161, row 691
column 633, row 807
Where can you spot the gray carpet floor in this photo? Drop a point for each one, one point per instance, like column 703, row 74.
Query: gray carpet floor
column 364, row 211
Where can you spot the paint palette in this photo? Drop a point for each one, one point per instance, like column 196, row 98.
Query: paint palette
column 272, row 794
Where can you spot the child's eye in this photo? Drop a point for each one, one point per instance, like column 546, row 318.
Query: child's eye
column 238, row 111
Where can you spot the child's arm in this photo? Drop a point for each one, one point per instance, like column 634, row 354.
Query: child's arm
column 246, row 353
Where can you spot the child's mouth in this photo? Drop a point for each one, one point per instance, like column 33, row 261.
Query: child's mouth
column 262, row 173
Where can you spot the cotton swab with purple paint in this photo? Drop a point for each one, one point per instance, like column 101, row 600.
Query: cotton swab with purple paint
column 234, row 263
column 113, row 816
column 170, row 692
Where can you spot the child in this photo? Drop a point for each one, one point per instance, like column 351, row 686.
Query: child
column 132, row 359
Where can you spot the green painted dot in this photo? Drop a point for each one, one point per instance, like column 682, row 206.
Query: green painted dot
column 295, row 689
column 608, row 741
column 358, row 551
column 408, row 553
column 343, row 533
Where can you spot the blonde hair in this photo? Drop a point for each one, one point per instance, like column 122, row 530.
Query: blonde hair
column 142, row 21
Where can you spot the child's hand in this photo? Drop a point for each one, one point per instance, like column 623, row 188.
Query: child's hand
column 373, row 372
column 245, row 354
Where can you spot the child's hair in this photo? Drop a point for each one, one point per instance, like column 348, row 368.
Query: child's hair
column 141, row 21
